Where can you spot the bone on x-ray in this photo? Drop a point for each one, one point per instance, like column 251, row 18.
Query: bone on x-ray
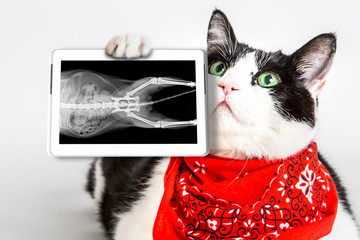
column 89, row 98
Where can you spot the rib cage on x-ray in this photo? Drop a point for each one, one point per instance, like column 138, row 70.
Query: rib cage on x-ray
column 95, row 104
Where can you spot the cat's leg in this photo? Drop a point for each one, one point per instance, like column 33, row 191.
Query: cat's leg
column 96, row 187
column 172, row 81
column 161, row 81
column 96, row 182
column 128, row 46
column 90, row 184
column 345, row 227
column 127, row 192
column 137, row 223
column 145, row 122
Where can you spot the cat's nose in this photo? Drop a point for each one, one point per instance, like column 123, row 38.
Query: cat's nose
column 228, row 86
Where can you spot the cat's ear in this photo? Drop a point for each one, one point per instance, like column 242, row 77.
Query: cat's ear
column 220, row 32
column 313, row 61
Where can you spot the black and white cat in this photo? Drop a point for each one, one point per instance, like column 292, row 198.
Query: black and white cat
column 246, row 121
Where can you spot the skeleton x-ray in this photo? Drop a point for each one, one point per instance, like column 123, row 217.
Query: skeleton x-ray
column 128, row 102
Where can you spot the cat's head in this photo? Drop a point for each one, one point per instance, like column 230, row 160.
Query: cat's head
column 263, row 104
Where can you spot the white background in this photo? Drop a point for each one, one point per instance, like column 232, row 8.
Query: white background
column 42, row 197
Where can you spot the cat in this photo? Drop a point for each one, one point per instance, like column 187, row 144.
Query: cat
column 271, row 118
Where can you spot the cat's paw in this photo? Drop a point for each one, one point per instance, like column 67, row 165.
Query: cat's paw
column 128, row 46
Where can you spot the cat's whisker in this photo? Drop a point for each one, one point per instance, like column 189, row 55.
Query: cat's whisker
column 237, row 177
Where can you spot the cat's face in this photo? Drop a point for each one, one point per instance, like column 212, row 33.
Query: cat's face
column 263, row 104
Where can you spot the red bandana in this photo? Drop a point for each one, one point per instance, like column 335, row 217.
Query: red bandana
column 216, row 198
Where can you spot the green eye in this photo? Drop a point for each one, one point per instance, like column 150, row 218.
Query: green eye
column 218, row 68
column 268, row 79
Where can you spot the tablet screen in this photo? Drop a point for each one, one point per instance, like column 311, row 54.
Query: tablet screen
column 128, row 102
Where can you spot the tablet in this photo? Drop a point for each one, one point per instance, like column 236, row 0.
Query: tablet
column 103, row 106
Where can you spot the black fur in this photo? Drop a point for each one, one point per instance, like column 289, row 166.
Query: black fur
column 341, row 190
column 292, row 98
column 90, row 180
column 126, row 178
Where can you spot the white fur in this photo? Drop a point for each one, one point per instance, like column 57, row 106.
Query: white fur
column 251, row 127
column 344, row 227
column 128, row 46
column 138, row 222
column 99, row 183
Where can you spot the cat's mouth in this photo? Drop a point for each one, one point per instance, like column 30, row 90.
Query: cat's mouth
column 224, row 106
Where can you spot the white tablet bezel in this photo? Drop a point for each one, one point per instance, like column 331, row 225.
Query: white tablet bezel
column 93, row 150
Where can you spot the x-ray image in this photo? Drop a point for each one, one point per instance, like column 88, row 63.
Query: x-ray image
column 128, row 102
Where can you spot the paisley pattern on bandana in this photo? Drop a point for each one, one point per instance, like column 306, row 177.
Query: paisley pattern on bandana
column 206, row 204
